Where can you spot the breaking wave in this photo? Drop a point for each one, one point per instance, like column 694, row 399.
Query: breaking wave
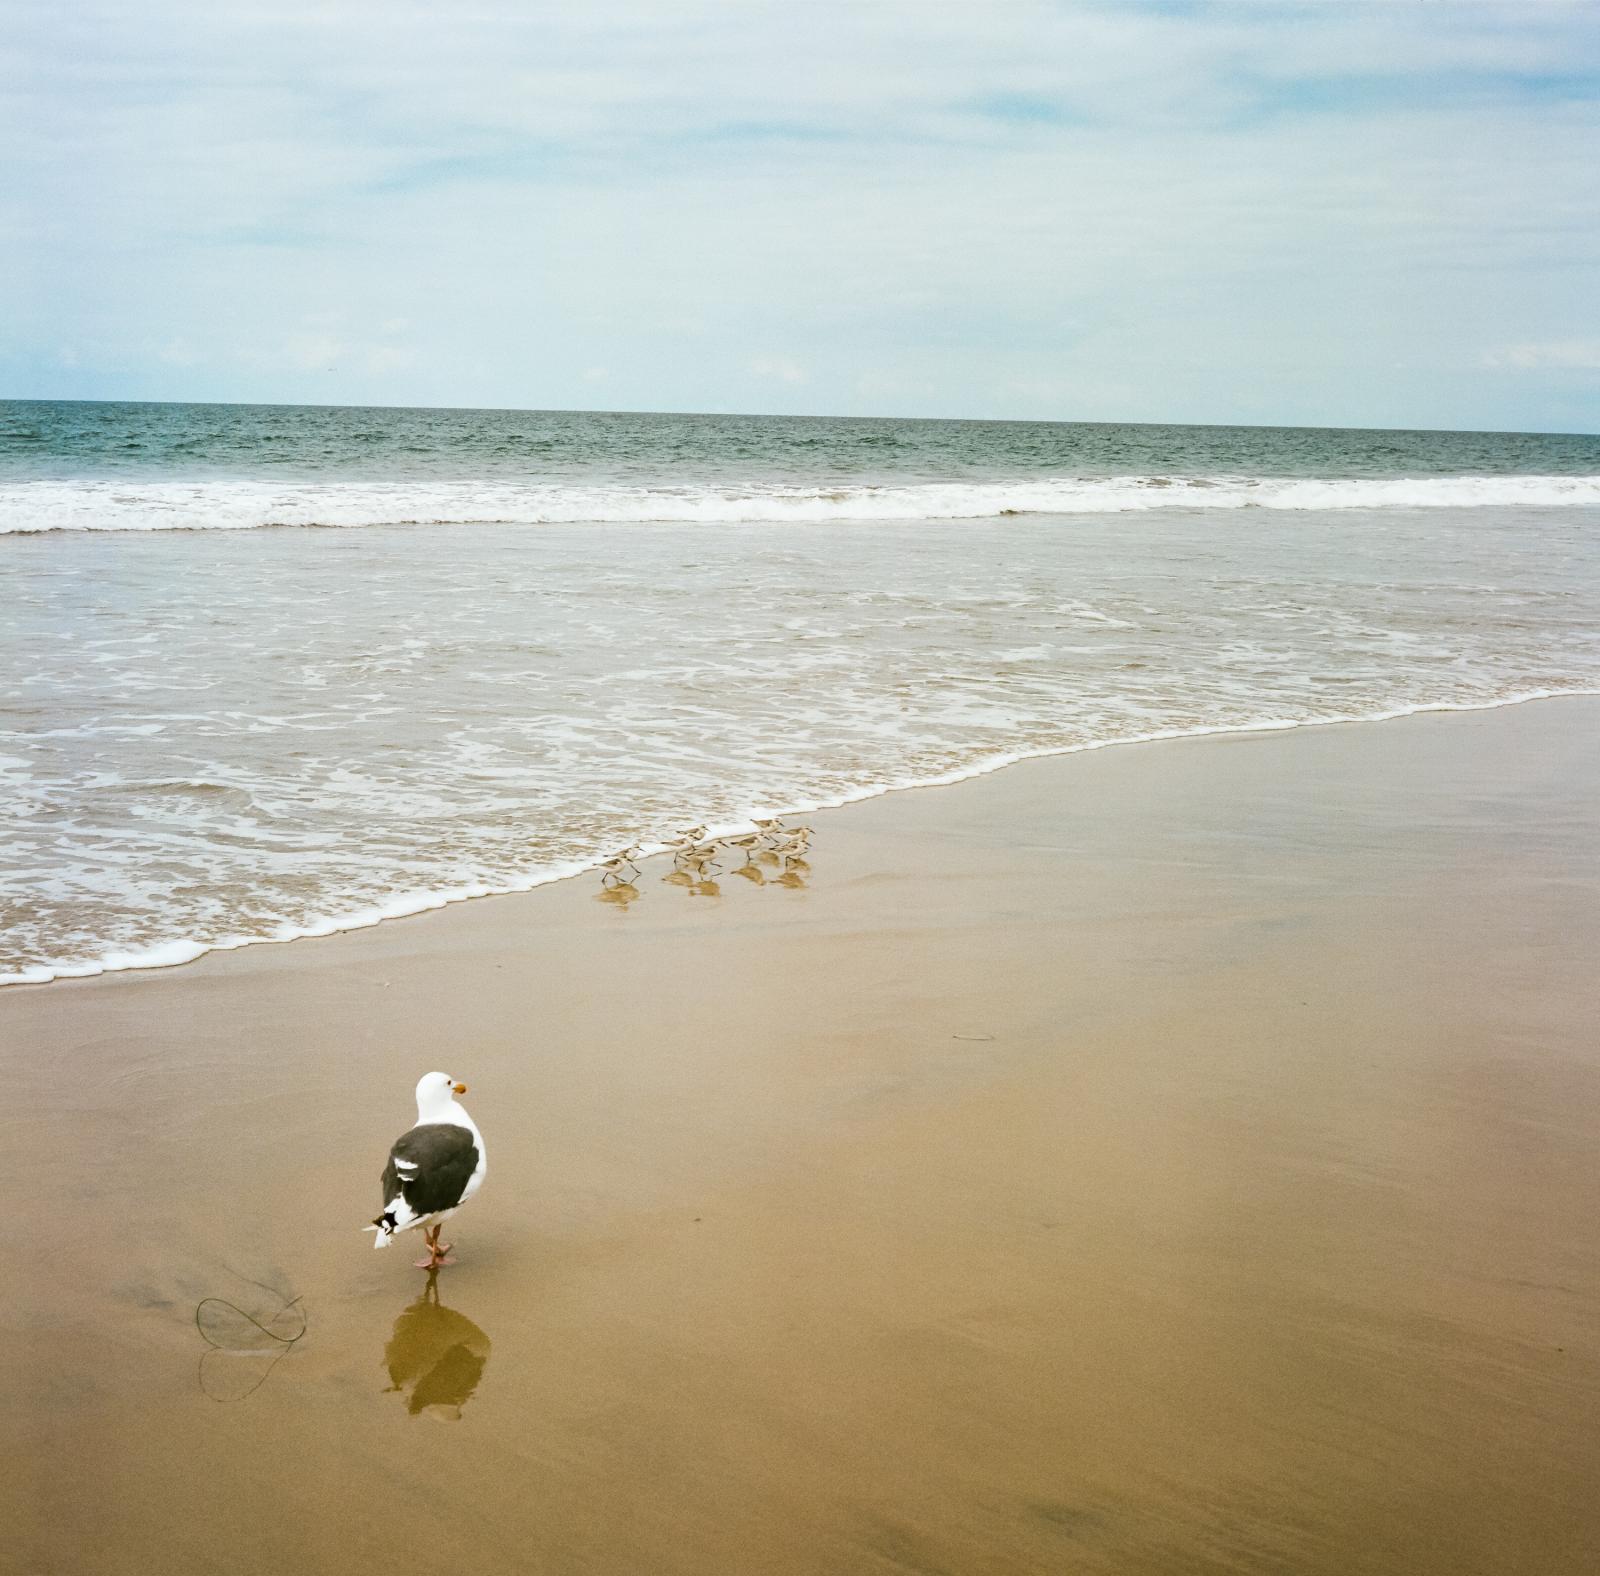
column 30, row 507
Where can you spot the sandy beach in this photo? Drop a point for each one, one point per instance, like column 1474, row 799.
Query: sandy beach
column 1173, row 1158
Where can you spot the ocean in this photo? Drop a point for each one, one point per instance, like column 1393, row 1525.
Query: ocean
column 275, row 671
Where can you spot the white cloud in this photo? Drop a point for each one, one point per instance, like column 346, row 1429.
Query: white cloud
column 325, row 342
column 387, row 358
column 179, row 353
column 1582, row 355
column 311, row 352
column 780, row 368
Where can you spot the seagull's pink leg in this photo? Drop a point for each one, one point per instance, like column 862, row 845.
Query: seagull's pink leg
column 436, row 1250
column 434, row 1256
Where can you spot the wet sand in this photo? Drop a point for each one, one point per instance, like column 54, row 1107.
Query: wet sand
column 1179, row 1158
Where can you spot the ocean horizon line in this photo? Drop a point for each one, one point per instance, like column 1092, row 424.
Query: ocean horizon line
column 819, row 416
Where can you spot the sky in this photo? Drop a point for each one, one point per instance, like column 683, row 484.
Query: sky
column 1368, row 213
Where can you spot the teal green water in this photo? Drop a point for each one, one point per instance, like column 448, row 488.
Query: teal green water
column 83, row 440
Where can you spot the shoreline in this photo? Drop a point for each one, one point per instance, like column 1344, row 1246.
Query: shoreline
column 180, row 952
column 1172, row 1160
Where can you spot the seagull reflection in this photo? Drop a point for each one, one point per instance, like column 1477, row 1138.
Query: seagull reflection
column 436, row 1356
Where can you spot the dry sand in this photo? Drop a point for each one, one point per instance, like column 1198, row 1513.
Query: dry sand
column 1180, row 1158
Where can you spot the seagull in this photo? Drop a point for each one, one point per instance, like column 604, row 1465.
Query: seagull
column 433, row 1169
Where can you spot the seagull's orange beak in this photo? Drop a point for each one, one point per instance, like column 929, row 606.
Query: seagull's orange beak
column 459, row 1088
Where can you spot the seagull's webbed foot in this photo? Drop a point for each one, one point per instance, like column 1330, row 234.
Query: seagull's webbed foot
column 436, row 1250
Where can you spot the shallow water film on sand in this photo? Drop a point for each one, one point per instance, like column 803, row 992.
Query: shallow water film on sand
column 276, row 671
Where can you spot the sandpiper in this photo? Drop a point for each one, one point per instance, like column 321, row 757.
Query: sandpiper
column 620, row 867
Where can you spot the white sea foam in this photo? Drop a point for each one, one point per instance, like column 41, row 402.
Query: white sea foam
column 228, row 742
column 36, row 506
column 172, row 953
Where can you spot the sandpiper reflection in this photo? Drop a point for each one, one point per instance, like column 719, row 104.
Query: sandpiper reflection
column 774, row 854
column 618, row 893
column 436, row 1356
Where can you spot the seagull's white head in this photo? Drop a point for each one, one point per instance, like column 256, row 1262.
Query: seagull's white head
column 437, row 1091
